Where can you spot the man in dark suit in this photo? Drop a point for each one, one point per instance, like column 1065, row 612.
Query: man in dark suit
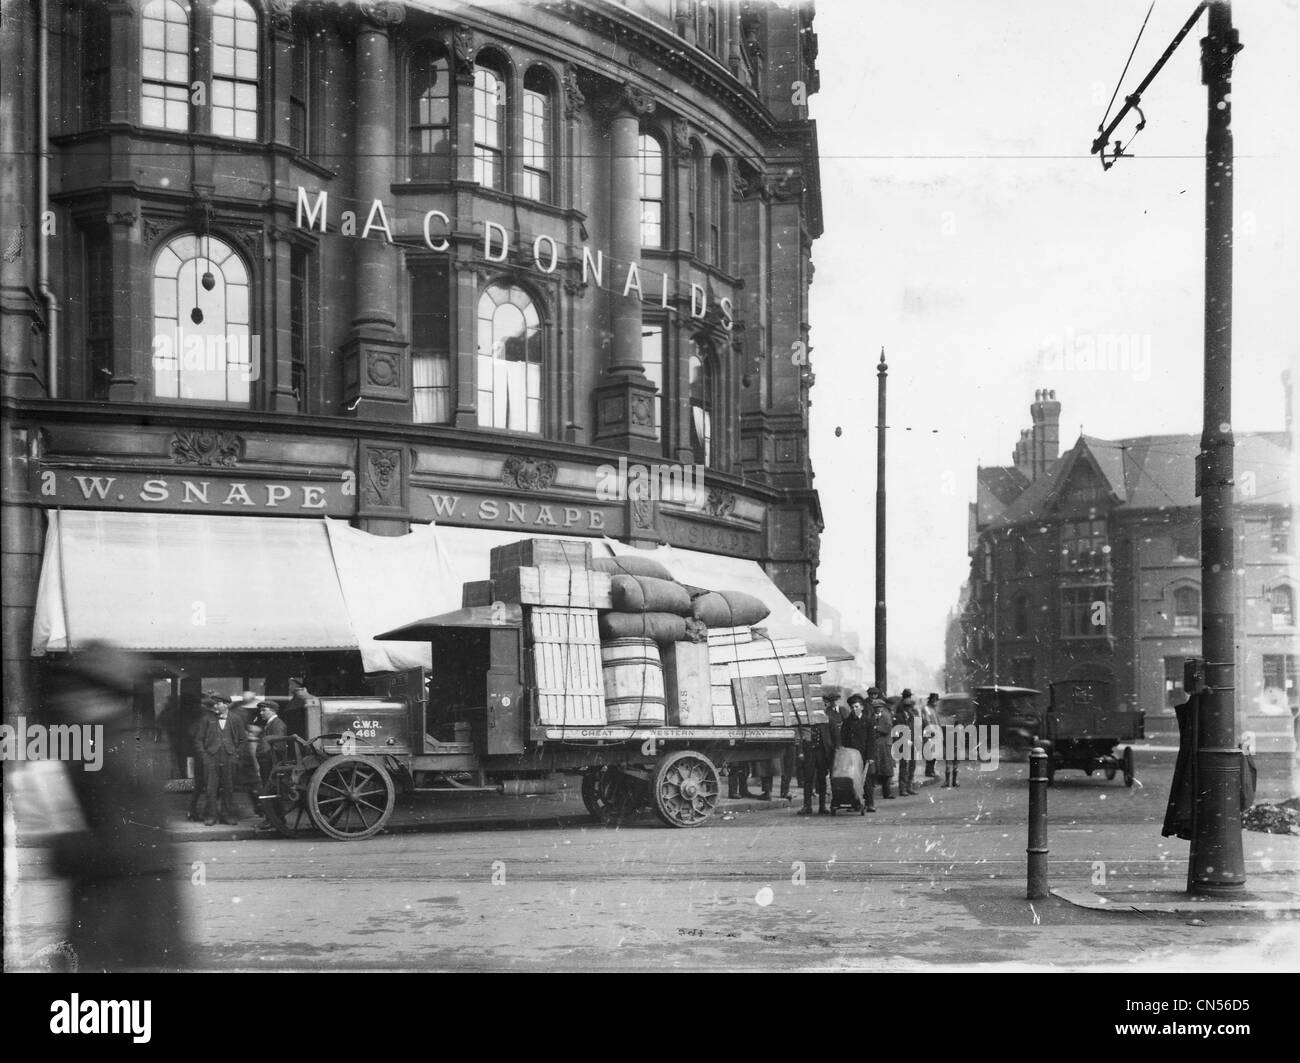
column 858, row 732
column 220, row 739
column 272, row 727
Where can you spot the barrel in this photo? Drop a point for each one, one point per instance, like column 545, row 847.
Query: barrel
column 634, row 682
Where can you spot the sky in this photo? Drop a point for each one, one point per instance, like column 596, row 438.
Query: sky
column 969, row 232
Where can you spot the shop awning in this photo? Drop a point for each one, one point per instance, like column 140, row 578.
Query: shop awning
column 188, row 583
column 718, row 572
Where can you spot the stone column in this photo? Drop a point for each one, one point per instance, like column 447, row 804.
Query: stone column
column 625, row 398
column 22, row 543
column 377, row 363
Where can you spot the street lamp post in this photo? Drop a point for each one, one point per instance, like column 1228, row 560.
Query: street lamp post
column 882, row 372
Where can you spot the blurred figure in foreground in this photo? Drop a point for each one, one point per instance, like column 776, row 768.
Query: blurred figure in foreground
column 125, row 906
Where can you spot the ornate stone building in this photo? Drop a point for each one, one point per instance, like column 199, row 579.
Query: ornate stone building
column 395, row 263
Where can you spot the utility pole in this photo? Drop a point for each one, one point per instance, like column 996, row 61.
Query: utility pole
column 882, row 372
column 1216, row 863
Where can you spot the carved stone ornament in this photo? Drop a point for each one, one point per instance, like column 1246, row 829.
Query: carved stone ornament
column 14, row 245
column 785, row 186
column 252, row 241
column 642, row 510
column 719, row 503
column 643, row 411
column 528, row 474
column 383, row 13
column 462, row 44
column 682, row 136
column 281, row 12
column 382, row 369
column 201, row 447
column 636, row 100
column 153, row 228
column 575, row 288
column 573, row 97
column 383, row 478
column 124, row 218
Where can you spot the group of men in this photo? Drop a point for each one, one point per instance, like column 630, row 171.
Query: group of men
column 232, row 750
column 877, row 727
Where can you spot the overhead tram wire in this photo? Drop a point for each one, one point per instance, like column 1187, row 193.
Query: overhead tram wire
column 1124, row 72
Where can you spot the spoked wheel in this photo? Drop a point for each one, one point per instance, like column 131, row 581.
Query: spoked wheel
column 350, row 798
column 610, row 795
column 685, row 789
column 287, row 807
column 1128, row 766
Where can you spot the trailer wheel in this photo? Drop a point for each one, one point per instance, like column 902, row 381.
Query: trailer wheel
column 286, row 807
column 685, row 789
column 350, row 798
column 609, row 795
column 1128, row 766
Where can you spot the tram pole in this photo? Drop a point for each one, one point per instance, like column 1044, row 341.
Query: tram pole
column 882, row 373
column 1217, row 863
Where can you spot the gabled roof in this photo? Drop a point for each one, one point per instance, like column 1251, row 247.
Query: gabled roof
column 1158, row 472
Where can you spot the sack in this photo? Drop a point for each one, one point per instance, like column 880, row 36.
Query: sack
column 662, row 627
column 44, row 801
column 728, row 609
column 631, row 566
column 848, row 765
column 645, row 594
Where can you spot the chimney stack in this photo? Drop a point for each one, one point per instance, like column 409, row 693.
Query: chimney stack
column 1045, row 436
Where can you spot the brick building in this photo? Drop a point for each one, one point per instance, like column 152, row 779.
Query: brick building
column 392, row 264
column 1087, row 565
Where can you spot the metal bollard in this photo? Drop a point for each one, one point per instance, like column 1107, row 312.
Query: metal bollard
column 1036, row 886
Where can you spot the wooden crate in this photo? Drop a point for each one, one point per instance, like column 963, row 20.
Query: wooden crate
column 531, row 553
column 553, row 585
column 686, row 684
column 750, row 694
column 758, row 650
column 568, row 677
column 730, row 636
column 478, row 592
column 723, row 673
column 723, row 704
column 793, row 699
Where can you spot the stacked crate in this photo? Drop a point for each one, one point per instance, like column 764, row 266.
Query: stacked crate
column 560, row 594
column 756, row 680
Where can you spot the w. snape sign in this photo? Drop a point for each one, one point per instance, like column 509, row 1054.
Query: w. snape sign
column 436, row 228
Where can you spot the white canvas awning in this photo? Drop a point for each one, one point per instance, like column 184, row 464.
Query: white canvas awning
column 181, row 582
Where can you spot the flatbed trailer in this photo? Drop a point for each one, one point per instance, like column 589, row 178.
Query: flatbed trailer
column 477, row 727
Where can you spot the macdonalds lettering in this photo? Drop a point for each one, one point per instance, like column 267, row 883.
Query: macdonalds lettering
column 495, row 247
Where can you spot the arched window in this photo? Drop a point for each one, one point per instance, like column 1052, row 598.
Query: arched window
column 1283, row 602
column 701, row 386
column 234, row 69
column 489, row 124
column 718, row 203
column 1020, row 614
column 1187, row 607
column 202, row 347
column 651, row 154
column 539, row 137
column 510, row 356
column 165, row 65
column 429, row 116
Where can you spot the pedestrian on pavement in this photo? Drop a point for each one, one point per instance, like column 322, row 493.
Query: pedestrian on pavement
column 884, row 723
column 788, row 757
column 738, row 779
column 220, row 739
column 248, row 776
column 124, row 896
column 860, row 733
column 930, row 730
column 905, row 715
column 207, row 705
column 272, row 727
column 819, row 746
